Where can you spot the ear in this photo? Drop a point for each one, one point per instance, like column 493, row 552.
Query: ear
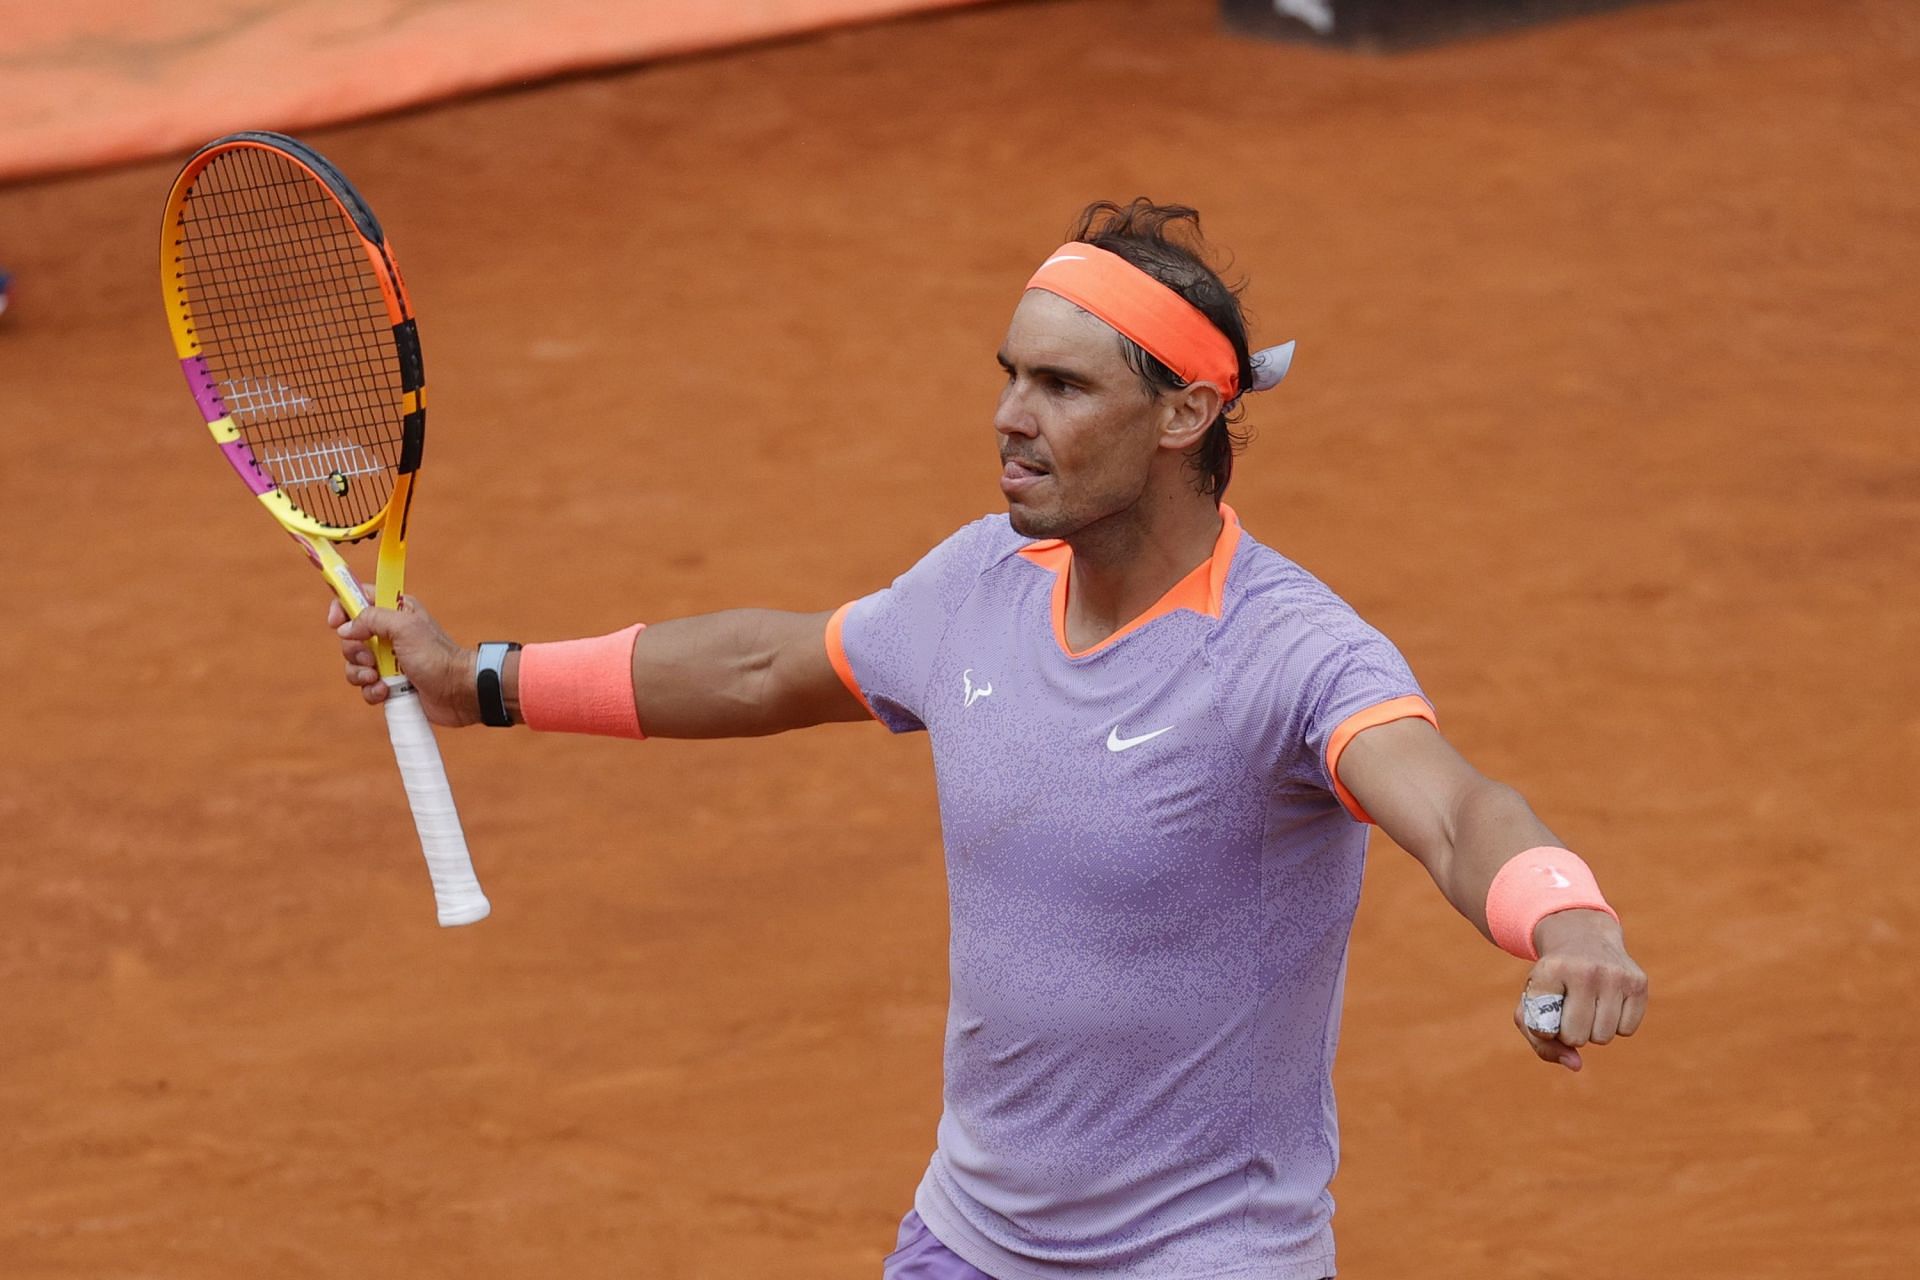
column 1188, row 413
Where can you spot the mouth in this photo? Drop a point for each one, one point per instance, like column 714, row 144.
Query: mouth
column 1018, row 475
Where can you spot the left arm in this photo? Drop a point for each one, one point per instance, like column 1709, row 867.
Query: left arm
column 1463, row 827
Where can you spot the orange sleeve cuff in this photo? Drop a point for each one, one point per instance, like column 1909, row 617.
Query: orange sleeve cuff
column 1410, row 706
column 837, row 655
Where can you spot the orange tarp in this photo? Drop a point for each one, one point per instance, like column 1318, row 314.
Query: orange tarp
column 94, row 81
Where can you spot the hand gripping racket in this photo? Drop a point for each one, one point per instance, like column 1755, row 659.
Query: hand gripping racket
column 298, row 341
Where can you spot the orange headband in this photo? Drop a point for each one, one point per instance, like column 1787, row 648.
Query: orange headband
column 1171, row 329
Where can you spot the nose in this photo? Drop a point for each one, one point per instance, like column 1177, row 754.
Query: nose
column 1010, row 416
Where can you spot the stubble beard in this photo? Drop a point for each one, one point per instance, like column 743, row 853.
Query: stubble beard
column 1026, row 525
column 1066, row 519
column 1050, row 522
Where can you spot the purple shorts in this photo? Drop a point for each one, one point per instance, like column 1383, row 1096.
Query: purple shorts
column 918, row 1256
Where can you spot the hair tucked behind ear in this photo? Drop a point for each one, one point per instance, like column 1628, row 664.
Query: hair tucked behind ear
column 1164, row 241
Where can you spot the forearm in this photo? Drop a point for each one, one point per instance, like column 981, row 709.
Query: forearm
column 1462, row 826
column 740, row 673
column 1485, row 827
column 1468, row 832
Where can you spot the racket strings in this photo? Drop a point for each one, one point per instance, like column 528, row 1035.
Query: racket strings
column 309, row 263
column 297, row 307
column 295, row 315
column 301, row 417
column 294, row 326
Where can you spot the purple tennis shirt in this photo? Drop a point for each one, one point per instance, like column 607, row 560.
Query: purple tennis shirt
column 1152, row 872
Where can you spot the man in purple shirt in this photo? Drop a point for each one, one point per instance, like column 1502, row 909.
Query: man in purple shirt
column 1157, row 744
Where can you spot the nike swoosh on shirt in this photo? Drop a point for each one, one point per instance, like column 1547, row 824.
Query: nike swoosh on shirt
column 1117, row 743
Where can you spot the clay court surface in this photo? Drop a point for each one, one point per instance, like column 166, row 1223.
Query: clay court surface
column 1604, row 410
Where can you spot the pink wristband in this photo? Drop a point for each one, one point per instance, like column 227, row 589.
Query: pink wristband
column 1532, row 886
column 581, row 686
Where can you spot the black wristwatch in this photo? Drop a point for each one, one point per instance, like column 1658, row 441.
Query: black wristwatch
column 487, row 683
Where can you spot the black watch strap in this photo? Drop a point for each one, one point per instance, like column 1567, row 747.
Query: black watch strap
column 487, row 683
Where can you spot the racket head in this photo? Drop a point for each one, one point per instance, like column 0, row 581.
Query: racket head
column 295, row 332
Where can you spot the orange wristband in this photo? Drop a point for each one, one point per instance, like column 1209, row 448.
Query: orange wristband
column 581, row 686
column 1532, row 886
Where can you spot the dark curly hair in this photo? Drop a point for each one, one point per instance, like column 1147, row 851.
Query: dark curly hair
column 1164, row 241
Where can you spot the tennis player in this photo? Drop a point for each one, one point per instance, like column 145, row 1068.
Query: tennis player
column 1158, row 745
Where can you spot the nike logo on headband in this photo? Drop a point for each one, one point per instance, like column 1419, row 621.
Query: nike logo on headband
column 1063, row 257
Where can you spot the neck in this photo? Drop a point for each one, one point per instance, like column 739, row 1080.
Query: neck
column 1125, row 562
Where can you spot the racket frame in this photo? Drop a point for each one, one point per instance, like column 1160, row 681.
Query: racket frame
column 316, row 539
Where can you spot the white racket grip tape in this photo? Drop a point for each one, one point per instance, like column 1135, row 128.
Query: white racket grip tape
column 455, row 889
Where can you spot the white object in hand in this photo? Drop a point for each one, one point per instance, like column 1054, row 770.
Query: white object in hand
column 1542, row 1014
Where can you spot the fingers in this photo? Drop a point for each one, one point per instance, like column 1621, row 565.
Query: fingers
column 1547, row 1048
column 1606, row 1003
column 440, row 670
column 1634, row 1009
column 337, row 612
column 362, row 671
column 1576, row 1017
column 1607, row 1009
column 361, row 667
column 407, row 620
column 373, row 621
column 1604, row 994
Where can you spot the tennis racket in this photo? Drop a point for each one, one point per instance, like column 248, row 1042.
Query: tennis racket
column 298, row 341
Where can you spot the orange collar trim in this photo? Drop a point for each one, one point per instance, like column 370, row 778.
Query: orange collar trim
column 1201, row 591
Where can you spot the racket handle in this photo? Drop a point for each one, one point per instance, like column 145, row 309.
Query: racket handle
column 455, row 890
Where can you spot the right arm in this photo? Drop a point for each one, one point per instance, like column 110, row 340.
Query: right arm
column 741, row 673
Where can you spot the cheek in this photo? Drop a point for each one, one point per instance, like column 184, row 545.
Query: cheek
column 1096, row 448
